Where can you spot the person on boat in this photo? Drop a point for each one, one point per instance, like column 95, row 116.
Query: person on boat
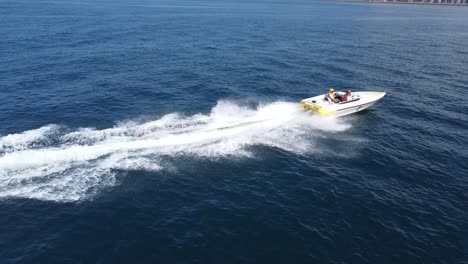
column 347, row 96
column 331, row 96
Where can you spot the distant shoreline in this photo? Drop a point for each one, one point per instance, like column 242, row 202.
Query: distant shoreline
column 395, row 2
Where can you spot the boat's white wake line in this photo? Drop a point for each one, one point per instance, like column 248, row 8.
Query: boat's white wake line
column 50, row 164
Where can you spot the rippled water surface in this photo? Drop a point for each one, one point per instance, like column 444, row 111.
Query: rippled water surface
column 169, row 132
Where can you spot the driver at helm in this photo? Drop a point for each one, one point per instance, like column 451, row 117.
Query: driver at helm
column 331, row 96
column 347, row 96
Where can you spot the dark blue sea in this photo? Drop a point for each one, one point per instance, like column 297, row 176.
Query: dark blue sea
column 169, row 132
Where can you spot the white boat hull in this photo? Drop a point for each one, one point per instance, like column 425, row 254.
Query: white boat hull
column 358, row 102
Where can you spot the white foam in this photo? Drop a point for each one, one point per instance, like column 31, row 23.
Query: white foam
column 76, row 164
column 27, row 139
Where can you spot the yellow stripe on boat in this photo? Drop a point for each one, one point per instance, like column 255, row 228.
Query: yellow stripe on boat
column 321, row 110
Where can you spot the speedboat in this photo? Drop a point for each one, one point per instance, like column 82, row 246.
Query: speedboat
column 358, row 102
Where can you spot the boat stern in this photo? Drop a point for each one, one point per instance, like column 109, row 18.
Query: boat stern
column 309, row 106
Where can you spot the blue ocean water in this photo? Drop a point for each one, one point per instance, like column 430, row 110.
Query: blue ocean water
column 169, row 132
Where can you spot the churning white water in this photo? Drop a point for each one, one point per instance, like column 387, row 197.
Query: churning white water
column 50, row 164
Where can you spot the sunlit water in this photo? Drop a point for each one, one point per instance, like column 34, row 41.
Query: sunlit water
column 169, row 132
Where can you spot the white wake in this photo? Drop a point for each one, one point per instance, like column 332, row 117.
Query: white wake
column 51, row 164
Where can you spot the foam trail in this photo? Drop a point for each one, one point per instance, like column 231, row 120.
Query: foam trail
column 48, row 164
column 27, row 139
